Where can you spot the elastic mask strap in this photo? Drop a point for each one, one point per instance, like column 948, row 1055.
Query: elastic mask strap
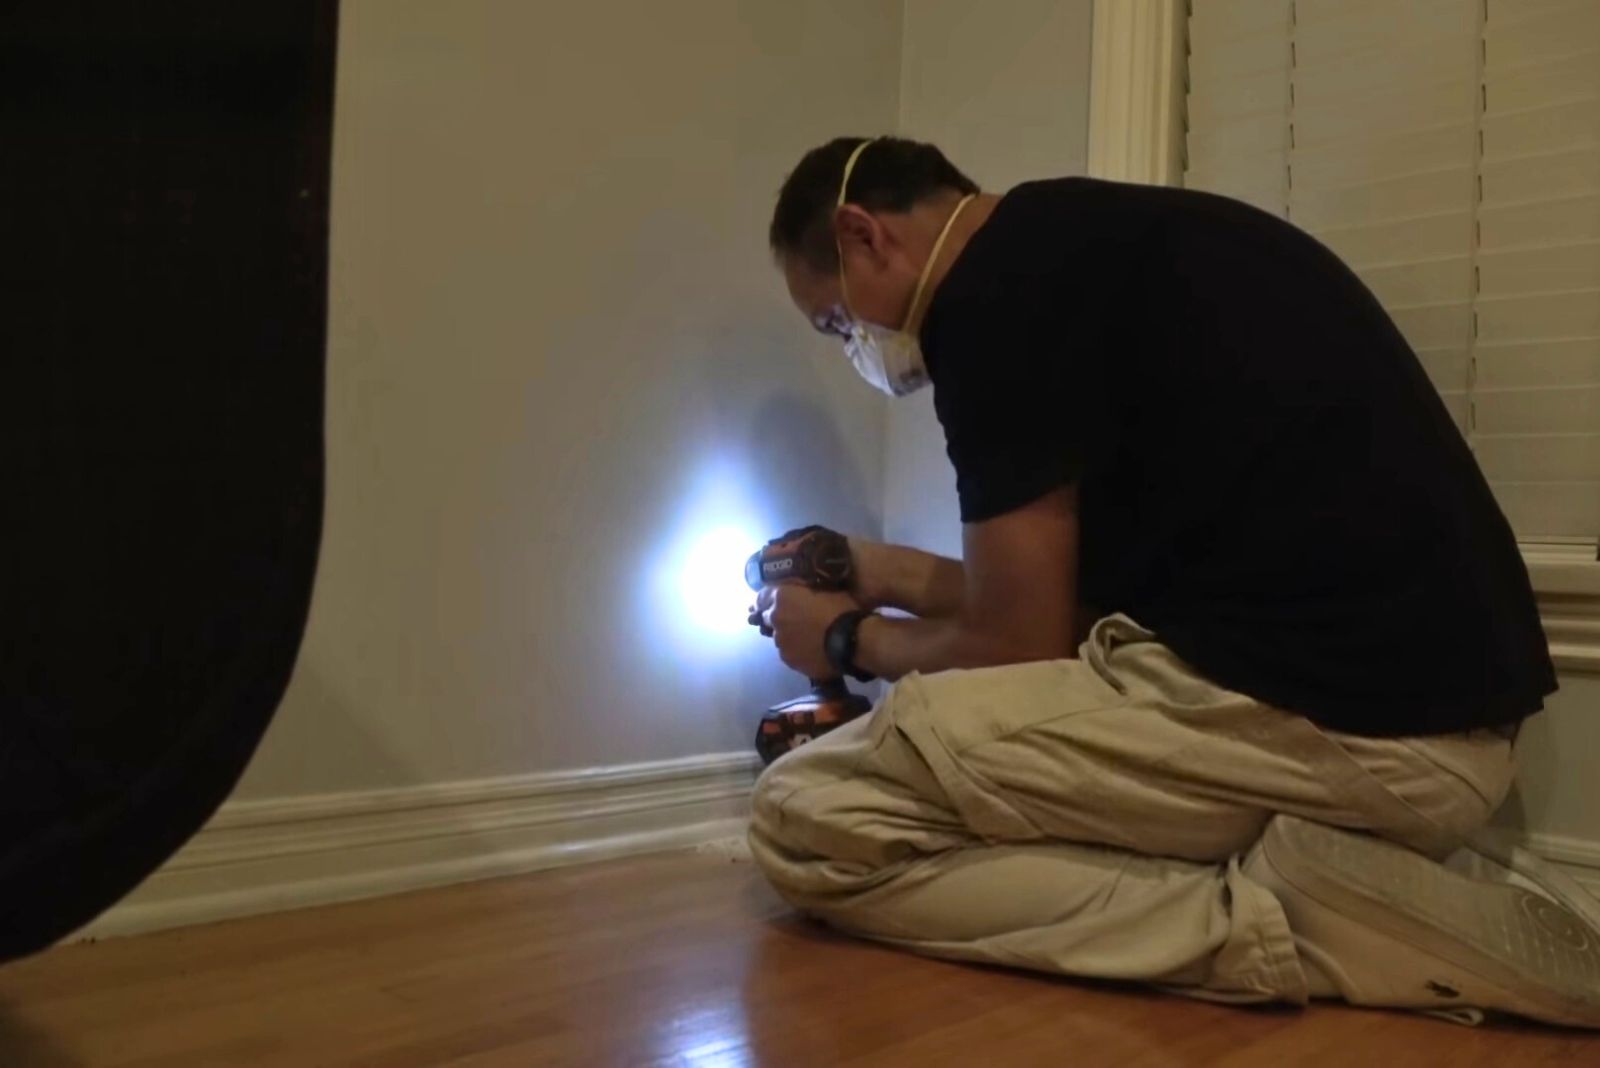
column 838, row 250
column 927, row 268
column 850, row 165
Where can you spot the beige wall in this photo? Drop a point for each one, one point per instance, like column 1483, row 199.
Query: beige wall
column 1004, row 90
column 1557, row 791
column 558, row 350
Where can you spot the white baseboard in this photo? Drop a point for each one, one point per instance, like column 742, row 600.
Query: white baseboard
column 265, row 856
column 1578, row 857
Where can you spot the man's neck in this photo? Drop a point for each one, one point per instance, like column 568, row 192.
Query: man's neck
column 969, row 222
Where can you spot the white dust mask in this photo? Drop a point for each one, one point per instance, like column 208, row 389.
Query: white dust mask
column 889, row 359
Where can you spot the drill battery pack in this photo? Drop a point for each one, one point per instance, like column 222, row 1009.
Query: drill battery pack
column 786, row 727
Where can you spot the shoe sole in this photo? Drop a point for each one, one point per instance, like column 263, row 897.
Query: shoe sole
column 1532, row 948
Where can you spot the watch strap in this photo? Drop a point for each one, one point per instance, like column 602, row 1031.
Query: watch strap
column 839, row 644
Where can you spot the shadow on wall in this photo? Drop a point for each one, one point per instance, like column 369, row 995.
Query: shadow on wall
column 1535, row 764
column 775, row 433
column 808, row 422
column 798, row 456
column 804, row 470
column 329, row 740
column 325, row 740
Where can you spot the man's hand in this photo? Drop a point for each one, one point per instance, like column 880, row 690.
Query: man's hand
column 798, row 618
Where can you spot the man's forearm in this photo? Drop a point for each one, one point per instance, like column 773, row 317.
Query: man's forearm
column 897, row 576
column 1013, row 599
column 892, row 648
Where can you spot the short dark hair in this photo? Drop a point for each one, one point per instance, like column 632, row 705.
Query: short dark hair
column 891, row 174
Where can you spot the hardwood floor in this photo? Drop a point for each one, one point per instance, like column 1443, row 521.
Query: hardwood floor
column 682, row 959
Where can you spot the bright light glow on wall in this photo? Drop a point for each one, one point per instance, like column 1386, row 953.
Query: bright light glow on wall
column 711, row 585
column 698, row 591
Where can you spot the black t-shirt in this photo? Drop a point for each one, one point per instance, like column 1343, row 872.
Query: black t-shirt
column 1267, row 479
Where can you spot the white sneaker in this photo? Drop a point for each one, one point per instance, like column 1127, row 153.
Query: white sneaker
column 1391, row 928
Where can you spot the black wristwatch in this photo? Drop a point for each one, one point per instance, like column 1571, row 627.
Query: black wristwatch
column 839, row 645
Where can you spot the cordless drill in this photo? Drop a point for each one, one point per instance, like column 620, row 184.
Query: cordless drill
column 819, row 559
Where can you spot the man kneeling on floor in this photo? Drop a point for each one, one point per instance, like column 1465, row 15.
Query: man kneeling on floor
column 1312, row 639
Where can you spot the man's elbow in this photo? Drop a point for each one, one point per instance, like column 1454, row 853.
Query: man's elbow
column 993, row 646
column 1029, row 649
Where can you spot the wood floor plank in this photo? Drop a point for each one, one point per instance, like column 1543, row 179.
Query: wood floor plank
column 680, row 959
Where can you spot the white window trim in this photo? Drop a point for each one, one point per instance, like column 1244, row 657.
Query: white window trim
column 1137, row 83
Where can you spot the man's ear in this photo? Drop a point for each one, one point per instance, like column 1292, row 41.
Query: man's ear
column 858, row 230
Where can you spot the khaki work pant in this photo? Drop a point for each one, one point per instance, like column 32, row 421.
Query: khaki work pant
column 1086, row 817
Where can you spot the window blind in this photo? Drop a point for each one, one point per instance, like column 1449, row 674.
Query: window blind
column 1449, row 151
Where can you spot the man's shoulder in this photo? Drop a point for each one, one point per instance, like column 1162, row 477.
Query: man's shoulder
column 1074, row 200
column 1093, row 220
column 1078, row 192
column 1096, row 205
column 1049, row 243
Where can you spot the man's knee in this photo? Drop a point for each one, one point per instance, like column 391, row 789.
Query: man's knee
column 792, row 838
column 766, row 805
column 793, row 791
